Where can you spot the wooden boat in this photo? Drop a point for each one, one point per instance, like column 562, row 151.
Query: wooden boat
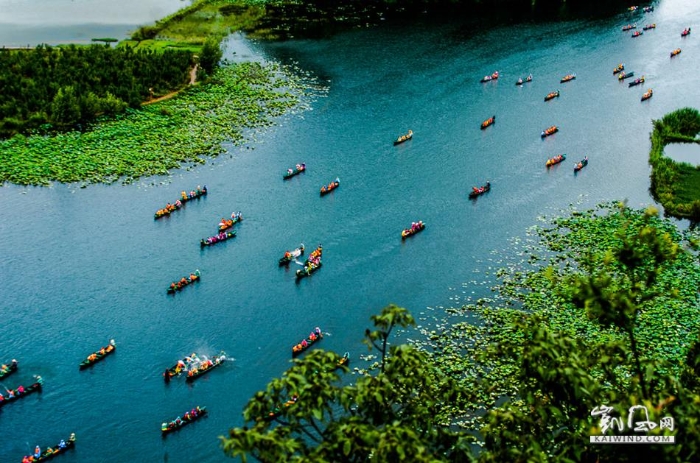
column 685, row 32
column 567, row 78
column 624, row 75
column 182, row 366
column 490, row 121
column 299, row 168
column 619, row 68
column 205, row 366
column 581, row 164
column 331, row 186
column 170, row 208
column 636, row 82
column 404, row 138
column 277, row 411
column 176, row 286
column 493, row 76
column 312, row 263
column 290, row 256
column 99, row 355
column 555, row 160
column 629, row 27
column 188, row 417
column 226, row 224
column 637, row 34
column 675, row 52
column 223, row 236
column 547, row 132
column 479, row 191
column 415, row 228
column 8, row 369
column 20, row 392
column 344, row 360
column 315, row 336
column 649, row 27
column 648, row 94
column 51, row 452
column 309, row 268
column 551, row 96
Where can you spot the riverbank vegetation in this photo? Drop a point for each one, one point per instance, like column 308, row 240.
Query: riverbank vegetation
column 161, row 136
column 602, row 310
column 201, row 20
column 55, row 88
column 676, row 185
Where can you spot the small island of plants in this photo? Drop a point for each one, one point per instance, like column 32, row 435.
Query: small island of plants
column 675, row 185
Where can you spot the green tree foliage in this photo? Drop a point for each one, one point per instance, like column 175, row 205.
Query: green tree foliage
column 210, row 56
column 562, row 377
column 65, row 85
column 382, row 417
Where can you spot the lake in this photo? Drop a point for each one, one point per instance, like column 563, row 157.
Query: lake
column 83, row 266
column 33, row 22
column 683, row 152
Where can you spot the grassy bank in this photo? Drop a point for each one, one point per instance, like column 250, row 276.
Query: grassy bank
column 675, row 185
column 191, row 26
column 159, row 137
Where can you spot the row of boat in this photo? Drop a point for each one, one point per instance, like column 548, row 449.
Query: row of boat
column 193, row 366
column 176, row 286
column 184, row 197
column 50, row 452
column 313, row 263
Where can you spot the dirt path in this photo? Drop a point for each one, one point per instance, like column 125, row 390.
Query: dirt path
column 167, row 96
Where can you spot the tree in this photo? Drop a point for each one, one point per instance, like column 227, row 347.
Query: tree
column 309, row 415
column 210, row 56
column 65, row 107
column 563, row 378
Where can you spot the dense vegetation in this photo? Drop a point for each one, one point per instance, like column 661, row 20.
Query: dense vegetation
column 676, row 185
column 604, row 311
column 63, row 86
column 161, row 136
column 202, row 19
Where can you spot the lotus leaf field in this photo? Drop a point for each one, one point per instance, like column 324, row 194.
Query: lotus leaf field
column 461, row 341
column 163, row 136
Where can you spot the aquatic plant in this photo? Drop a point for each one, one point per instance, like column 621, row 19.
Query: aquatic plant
column 481, row 343
column 162, row 136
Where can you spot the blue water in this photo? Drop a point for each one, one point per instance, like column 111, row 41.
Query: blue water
column 683, row 152
column 82, row 266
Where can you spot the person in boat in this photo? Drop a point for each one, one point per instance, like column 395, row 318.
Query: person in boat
column 289, row 171
column 20, row 390
column 323, row 189
column 529, row 78
column 304, row 344
column 520, row 80
column 92, row 357
column 62, row 444
column 37, row 452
